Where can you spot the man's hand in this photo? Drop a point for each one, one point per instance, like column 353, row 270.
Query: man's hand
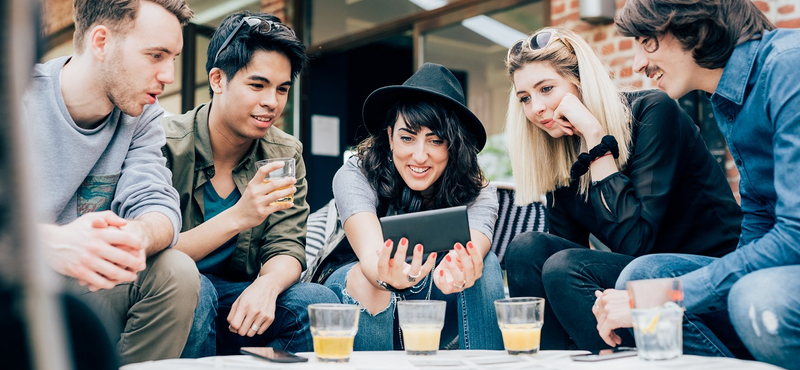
column 254, row 309
column 86, row 249
column 258, row 200
column 612, row 310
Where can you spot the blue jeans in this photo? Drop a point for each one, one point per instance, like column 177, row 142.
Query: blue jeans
column 289, row 330
column 469, row 317
column 707, row 334
column 764, row 308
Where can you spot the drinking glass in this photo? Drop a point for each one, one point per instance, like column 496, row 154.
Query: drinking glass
column 288, row 170
column 333, row 328
column 657, row 312
column 520, row 320
column 422, row 323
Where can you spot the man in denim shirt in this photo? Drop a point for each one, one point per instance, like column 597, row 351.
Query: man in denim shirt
column 732, row 52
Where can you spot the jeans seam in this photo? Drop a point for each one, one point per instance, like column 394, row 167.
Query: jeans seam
column 464, row 315
column 297, row 322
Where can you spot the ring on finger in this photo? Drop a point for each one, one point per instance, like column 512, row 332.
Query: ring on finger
column 596, row 303
column 255, row 328
column 462, row 285
column 413, row 278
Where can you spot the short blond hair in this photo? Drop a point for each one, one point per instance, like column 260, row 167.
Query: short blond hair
column 541, row 163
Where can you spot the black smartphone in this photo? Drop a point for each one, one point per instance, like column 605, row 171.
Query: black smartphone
column 606, row 354
column 272, row 354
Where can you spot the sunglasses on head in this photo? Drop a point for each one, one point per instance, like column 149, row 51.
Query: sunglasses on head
column 537, row 41
column 261, row 25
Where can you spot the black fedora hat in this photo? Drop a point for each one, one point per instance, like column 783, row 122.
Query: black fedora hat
column 433, row 81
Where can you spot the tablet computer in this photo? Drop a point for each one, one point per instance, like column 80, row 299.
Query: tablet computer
column 437, row 230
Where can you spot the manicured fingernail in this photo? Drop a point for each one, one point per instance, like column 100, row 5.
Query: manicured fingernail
column 458, row 246
column 448, row 259
column 419, row 247
column 388, row 243
column 441, row 272
column 470, row 246
column 391, row 263
column 404, row 241
column 433, row 255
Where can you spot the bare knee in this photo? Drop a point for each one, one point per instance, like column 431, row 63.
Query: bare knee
column 374, row 300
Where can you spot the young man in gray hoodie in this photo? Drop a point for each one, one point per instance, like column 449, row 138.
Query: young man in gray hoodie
column 108, row 211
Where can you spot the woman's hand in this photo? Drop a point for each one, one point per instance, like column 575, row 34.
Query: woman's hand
column 396, row 272
column 459, row 270
column 574, row 118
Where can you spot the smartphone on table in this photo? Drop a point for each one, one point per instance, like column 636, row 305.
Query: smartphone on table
column 272, row 354
column 606, row 354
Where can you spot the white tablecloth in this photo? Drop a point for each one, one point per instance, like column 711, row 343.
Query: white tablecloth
column 451, row 360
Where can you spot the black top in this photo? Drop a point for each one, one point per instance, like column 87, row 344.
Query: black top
column 671, row 198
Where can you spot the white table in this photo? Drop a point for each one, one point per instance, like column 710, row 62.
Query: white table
column 452, row 360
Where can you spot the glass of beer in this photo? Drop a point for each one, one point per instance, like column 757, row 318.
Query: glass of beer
column 333, row 327
column 520, row 320
column 421, row 323
column 288, row 170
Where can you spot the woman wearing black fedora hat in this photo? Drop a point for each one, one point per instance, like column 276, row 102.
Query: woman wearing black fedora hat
column 629, row 168
column 421, row 154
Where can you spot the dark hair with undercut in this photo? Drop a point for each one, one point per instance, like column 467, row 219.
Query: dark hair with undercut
column 711, row 29
column 118, row 15
column 239, row 52
column 462, row 178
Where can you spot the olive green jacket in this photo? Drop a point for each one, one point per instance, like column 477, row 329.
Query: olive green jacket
column 188, row 153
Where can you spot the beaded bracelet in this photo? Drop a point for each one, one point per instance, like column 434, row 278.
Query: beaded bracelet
column 581, row 166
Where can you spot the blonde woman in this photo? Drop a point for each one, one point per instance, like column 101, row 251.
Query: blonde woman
column 629, row 168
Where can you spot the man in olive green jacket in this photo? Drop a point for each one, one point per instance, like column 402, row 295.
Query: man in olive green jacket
column 249, row 248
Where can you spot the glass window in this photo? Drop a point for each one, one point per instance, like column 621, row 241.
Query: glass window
column 332, row 19
column 475, row 50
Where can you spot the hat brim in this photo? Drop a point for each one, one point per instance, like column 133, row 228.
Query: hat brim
column 379, row 101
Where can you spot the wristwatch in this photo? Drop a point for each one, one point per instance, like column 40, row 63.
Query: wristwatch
column 392, row 289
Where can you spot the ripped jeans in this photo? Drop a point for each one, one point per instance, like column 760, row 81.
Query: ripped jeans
column 763, row 308
column 469, row 317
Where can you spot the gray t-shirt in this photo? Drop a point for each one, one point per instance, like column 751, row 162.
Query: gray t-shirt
column 353, row 194
column 117, row 166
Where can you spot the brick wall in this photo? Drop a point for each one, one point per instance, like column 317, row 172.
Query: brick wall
column 617, row 51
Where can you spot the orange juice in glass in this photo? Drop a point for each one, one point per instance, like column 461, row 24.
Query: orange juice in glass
column 520, row 320
column 333, row 328
column 288, row 170
column 421, row 323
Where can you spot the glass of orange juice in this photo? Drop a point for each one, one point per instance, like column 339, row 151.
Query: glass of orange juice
column 333, row 328
column 520, row 320
column 288, row 170
column 421, row 323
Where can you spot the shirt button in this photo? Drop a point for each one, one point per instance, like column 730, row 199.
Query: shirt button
column 738, row 162
column 729, row 118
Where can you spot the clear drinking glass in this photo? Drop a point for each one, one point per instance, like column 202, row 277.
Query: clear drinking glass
column 333, row 328
column 288, row 170
column 657, row 312
column 422, row 323
column 520, row 320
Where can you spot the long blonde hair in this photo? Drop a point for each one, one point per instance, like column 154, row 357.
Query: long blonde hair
column 541, row 163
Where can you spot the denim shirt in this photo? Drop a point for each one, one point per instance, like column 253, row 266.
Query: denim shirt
column 757, row 107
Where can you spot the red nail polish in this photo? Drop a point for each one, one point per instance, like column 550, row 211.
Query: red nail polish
column 419, row 247
column 388, row 243
column 458, row 246
column 391, row 263
column 433, row 255
column 449, row 259
column 404, row 241
column 441, row 272
column 470, row 245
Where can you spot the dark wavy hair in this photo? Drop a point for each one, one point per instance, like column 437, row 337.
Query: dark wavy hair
column 462, row 179
column 711, row 29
